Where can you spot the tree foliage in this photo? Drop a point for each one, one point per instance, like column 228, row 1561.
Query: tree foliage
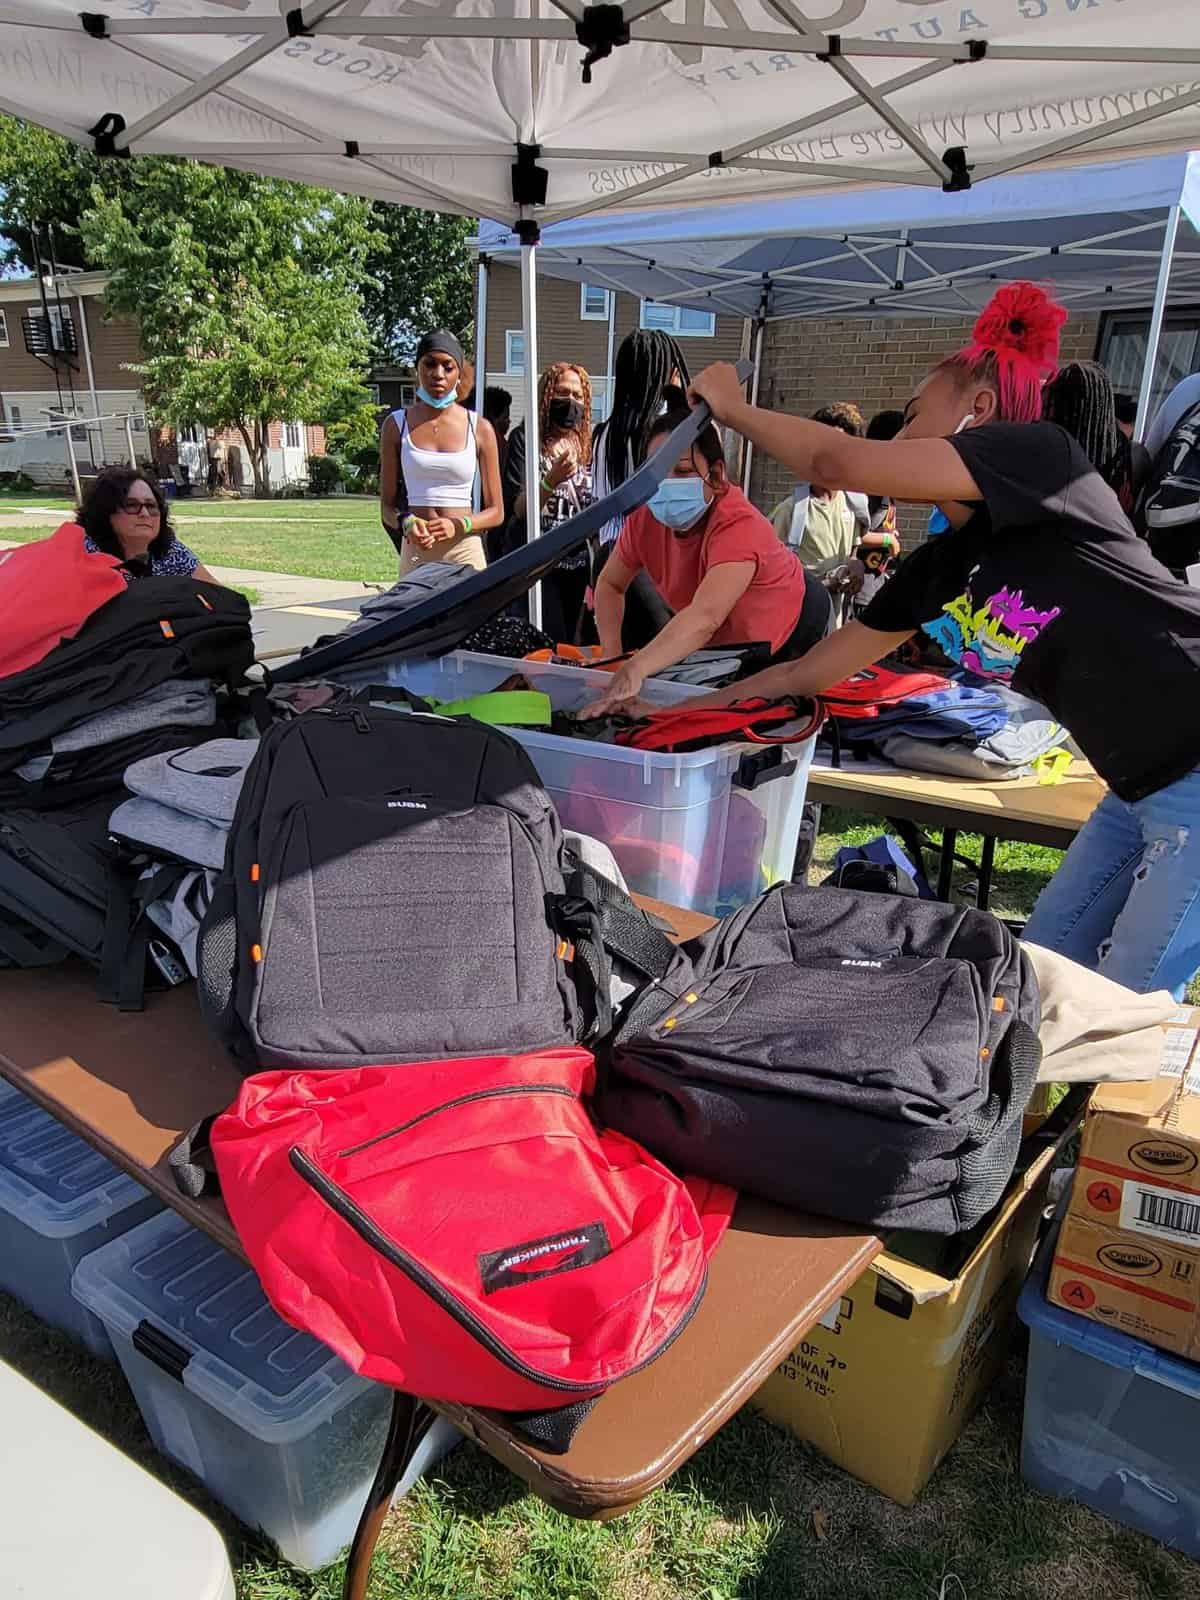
column 248, row 290
column 423, row 277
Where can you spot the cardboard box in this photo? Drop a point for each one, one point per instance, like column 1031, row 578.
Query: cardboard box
column 1139, row 1161
column 888, row 1380
column 1140, row 1286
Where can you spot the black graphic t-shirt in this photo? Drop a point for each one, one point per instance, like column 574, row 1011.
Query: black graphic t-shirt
column 1047, row 587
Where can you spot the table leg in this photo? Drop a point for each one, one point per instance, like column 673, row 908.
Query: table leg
column 411, row 1421
column 987, row 860
column 910, row 838
column 946, row 867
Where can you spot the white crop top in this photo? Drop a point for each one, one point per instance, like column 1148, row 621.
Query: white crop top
column 442, row 479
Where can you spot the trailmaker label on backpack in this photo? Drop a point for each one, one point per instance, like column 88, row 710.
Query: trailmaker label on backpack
column 543, row 1258
column 1162, row 1213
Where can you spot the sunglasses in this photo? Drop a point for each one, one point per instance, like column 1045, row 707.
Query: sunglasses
column 132, row 507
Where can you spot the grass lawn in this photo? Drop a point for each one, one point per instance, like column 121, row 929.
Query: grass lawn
column 336, row 538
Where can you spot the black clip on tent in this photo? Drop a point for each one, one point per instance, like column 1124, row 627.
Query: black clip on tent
column 442, row 622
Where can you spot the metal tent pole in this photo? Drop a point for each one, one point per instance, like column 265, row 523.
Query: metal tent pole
column 748, row 461
column 129, row 441
column 481, row 309
column 533, row 460
column 612, row 339
column 1156, row 323
column 74, row 467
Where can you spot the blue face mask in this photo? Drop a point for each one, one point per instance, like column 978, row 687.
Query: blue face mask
column 438, row 405
column 938, row 522
column 678, row 503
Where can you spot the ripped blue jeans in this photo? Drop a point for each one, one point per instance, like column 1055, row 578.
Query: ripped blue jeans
column 1126, row 900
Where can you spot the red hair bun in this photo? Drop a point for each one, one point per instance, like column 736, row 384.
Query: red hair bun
column 1022, row 323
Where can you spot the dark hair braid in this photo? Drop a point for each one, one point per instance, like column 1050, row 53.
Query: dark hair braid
column 641, row 376
column 1080, row 399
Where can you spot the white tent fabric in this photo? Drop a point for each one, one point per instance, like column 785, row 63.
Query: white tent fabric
column 1094, row 233
column 434, row 102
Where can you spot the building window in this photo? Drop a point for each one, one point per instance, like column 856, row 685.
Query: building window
column 3, row 330
column 192, row 434
column 293, row 435
column 137, row 423
column 514, row 351
column 60, row 319
column 373, row 391
column 594, row 302
column 683, row 321
column 1123, row 340
column 14, row 416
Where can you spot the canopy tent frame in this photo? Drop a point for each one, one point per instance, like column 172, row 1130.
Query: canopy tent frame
column 602, row 30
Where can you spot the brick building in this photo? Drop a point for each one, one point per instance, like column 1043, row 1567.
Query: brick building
column 874, row 362
column 67, row 355
column 573, row 325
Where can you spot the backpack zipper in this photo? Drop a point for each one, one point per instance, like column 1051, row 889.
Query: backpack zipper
column 462, row 1100
column 370, row 1233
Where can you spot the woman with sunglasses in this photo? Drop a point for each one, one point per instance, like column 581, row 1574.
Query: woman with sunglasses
column 124, row 515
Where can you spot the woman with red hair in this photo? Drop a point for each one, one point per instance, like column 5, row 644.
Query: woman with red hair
column 1041, row 583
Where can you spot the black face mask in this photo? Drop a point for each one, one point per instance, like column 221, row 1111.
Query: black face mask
column 567, row 414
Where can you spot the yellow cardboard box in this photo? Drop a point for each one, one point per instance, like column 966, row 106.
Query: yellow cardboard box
column 1143, row 1286
column 888, row 1380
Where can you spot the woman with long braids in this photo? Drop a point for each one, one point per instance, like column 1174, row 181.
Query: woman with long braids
column 1080, row 398
column 649, row 375
column 564, row 488
column 1041, row 582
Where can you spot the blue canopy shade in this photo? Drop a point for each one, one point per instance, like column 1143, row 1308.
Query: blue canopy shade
column 1094, row 233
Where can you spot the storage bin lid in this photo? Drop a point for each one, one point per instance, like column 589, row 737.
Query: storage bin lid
column 201, row 1315
column 1110, row 1345
column 50, row 1179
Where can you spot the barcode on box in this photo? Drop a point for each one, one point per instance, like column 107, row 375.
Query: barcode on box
column 1177, row 1047
column 1145, row 1208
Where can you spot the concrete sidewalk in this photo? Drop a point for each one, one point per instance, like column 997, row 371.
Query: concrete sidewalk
column 288, row 589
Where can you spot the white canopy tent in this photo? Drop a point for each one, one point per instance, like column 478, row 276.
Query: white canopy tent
column 531, row 111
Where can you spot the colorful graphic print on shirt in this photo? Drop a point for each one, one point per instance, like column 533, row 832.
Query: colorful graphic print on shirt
column 991, row 638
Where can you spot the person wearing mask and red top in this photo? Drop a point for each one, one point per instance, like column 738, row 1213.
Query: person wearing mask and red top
column 1041, row 582
column 717, row 563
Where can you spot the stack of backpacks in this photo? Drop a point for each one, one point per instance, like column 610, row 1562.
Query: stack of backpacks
column 154, row 668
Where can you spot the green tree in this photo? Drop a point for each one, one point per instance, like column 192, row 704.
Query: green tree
column 420, row 275
column 247, row 291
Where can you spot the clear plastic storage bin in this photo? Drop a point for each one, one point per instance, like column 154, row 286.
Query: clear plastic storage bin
column 1110, row 1420
column 269, row 1420
column 59, row 1199
column 709, row 830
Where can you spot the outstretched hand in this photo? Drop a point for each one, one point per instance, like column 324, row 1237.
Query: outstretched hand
column 622, row 693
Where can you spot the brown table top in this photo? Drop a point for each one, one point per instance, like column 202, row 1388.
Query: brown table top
column 130, row 1084
column 989, row 805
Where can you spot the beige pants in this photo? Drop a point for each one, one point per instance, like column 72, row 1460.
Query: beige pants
column 467, row 551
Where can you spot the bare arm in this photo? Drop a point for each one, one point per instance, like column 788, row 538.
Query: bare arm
column 688, row 630
column 925, row 470
column 491, row 512
column 203, row 574
column 393, row 498
column 839, row 656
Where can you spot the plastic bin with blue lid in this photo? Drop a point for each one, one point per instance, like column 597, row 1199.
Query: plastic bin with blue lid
column 1110, row 1420
column 708, row 829
column 270, row 1421
column 59, row 1199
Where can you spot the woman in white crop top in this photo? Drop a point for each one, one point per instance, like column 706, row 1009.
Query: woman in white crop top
column 429, row 456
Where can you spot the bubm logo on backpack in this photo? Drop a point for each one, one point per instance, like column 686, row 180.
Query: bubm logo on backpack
column 848, row 962
column 407, row 805
column 543, row 1258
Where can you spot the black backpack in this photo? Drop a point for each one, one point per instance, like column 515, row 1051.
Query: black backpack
column 862, row 1056
column 394, row 890
column 1169, row 507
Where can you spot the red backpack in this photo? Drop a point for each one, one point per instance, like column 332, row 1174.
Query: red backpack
column 461, row 1230
column 695, row 727
column 864, row 693
column 48, row 590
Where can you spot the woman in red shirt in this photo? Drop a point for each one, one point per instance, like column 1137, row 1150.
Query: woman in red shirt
column 717, row 563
